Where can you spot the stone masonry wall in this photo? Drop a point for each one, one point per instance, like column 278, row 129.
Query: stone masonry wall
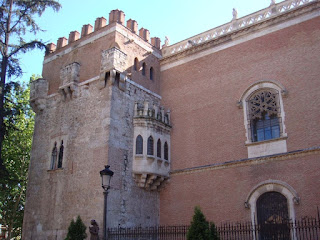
column 96, row 128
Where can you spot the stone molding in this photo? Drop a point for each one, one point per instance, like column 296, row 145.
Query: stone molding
column 249, row 161
column 264, row 186
column 263, row 15
column 234, row 38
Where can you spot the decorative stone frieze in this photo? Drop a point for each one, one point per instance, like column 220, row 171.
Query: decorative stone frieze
column 151, row 167
column 38, row 94
column 236, row 24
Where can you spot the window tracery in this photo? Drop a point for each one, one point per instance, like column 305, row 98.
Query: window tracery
column 264, row 109
column 265, row 101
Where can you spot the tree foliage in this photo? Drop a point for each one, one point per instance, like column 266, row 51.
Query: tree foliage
column 17, row 17
column 76, row 230
column 200, row 228
column 16, row 155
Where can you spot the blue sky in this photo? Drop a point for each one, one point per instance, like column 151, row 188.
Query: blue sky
column 177, row 19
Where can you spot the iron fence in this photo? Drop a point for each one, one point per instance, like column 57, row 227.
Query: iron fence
column 303, row 229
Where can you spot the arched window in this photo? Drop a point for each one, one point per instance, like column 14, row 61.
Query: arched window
column 139, row 145
column 264, row 118
column 159, row 148
column 151, row 73
column 60, row 155
column 136, row 64
column 150, row 146
column 54, row 156
column 263, row 112
column 143, row 69
column 166, row 151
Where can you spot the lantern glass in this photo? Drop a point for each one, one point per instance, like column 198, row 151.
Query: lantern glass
column 106, row 175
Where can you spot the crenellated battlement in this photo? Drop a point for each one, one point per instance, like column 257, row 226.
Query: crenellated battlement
column 115, row 16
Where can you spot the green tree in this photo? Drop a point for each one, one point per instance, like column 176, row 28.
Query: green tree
column 16, row 156
column 200, row 228
column 214, row 235
column 17, row 18
column 76, row 230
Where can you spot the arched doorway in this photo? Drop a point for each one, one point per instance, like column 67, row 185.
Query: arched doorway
column 273, row 216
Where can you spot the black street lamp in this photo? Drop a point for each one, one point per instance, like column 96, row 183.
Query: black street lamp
column 106, row 175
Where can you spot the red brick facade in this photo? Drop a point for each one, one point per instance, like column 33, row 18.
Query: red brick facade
column 208, row 127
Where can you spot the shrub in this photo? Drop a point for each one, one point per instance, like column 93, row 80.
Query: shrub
column 76, row 230
column 200, row 228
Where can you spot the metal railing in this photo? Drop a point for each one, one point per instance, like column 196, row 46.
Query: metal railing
column 307, row 228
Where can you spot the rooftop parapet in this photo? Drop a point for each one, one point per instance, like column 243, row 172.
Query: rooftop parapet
column 144, row 34
column 51, row 47
column 100, row 23
column 86, row 30
column 74, row 36
column 117, row 16
column 132, row 25
column 62, row 42
column 156, row 42
column 235, row 24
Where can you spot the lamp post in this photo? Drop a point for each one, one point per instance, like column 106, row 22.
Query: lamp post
column 106, row 175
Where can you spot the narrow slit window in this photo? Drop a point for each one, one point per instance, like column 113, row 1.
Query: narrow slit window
column 159, row 148
column 136, row 64
column 150, row 146
column 60, row 155
column 143, row 69
column 166, row 151
column 139, row 145
column 54, row 155
column 151, row 73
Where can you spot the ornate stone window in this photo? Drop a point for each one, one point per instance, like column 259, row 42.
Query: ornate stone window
column 263, row 113
column 159, row 148
column 143, row 69
column 54, row 155
column 151, row 73
column 150, row 146
column 139, row 145
column 264, row 118
column 60, row 155
column 166, row 151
